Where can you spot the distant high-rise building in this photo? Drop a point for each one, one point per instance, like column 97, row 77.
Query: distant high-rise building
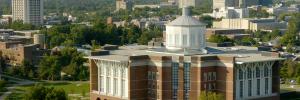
column 29, row 11
column 217, row 4
column 186, row 3
column 124, row 4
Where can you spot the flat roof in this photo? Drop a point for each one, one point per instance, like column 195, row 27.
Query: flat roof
column 243, row 54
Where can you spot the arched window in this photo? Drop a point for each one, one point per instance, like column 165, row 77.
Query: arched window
column 240, row 74
column 266, row 72
column 249, row 72
column 257, row 72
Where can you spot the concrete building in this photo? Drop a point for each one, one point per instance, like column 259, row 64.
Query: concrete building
column 181, row 71
column 15, row 52
column 267, row 24
column 277, row 10
column 218, row 4
column 29, row 11
column 124, row 4
column 230, row 12
column 186, row 3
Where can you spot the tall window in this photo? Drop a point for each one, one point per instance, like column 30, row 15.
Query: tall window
column 249, row 73
column 267, row 86
column 175, row 67
column 214, row 76
column 107, row 85
column 185, row 39
column 209, row 76
column 204, row 76
column 249, row 88
column 266, row 72
column 187, row 70
column 241, row 89
column 257, row 72
column 115, row 86
column 123, row 87
column 101, row 83
column 240, row 74
column 258, row 87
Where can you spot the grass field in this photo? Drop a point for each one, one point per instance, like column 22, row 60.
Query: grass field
column 75, row 90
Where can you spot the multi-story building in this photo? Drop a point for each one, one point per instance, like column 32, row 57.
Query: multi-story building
column 124, row 4
column 218, row 4
column 29, row 11
column 15, row 52
column 183, row 69
column 186, row 3
column 230, row 12
column 267, row 24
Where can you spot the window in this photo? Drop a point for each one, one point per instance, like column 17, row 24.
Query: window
column 175, row 67
column 214, row 86
column 101, row 83
column 123, row 88
column 249, row 88
column 266, row 72
column 257, row 72
column 209, row 76
column 115, row 72
column 214, row 76
column 115, row 86
column 249, row 72
column 108, row 71
column 187, row 70
column 107, row 85
column 241, row 89
column 205, row 76
column 240, row 74
column 185, row 39
column 149, row 75
column 258, row 87
column 267, row 86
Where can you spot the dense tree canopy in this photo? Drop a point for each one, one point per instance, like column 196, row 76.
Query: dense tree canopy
column 219, row 39
column 40, row 92
column 68, row 60
column 258, row 13
column 292, row 34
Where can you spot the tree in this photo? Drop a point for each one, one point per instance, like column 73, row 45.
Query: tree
column 39, row 92
column 292, row 34
column 211, row 96
column 258, row 13
column 27, row 69
column 219, row 39
column 50, row 68
column 73, row 63
column 289, row 69
column 208, row 20
column 95, row 45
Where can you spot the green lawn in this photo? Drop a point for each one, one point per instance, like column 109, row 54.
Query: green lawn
column 74, row 89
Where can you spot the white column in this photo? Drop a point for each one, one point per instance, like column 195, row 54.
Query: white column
column 98, row 76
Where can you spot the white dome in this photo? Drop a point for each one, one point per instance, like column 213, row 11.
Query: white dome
column 185, row 32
